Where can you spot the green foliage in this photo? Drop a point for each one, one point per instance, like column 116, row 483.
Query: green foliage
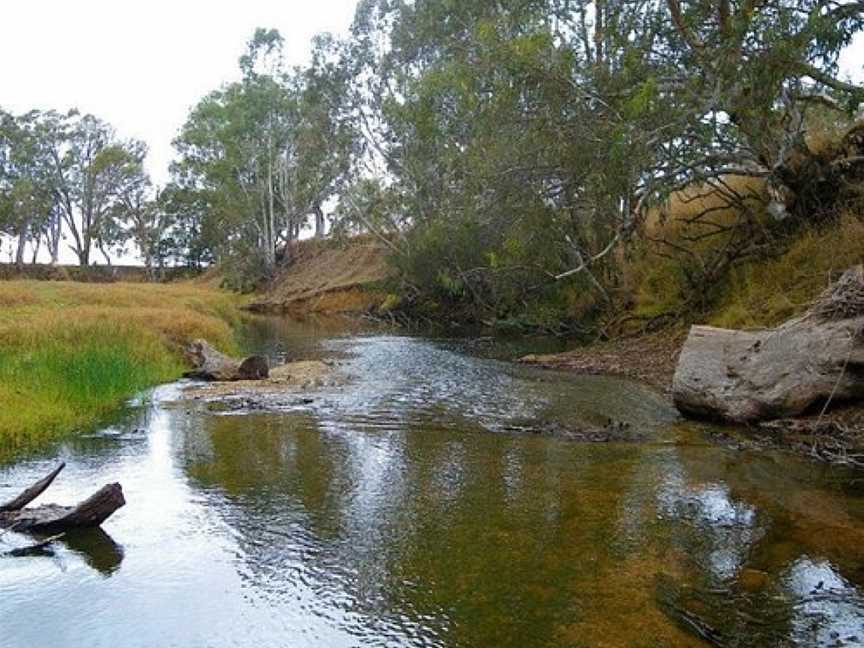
column 257, row 157
column 506, row 153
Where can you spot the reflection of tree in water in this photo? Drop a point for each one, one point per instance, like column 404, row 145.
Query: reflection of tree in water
column 713, row 529
column 285, row 339
column 388, row 512
column 749, row 544
column 423, row 535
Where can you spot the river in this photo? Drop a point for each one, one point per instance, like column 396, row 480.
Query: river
column 417, row 505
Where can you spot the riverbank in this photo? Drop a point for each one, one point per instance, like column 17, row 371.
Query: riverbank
column 647, row 358
column 71, row 353
column 834, row 436
column 327, row 277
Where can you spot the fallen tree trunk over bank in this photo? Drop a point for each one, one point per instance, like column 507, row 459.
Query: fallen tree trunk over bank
column 52, row 518
column 210, row 364
column 744, row 376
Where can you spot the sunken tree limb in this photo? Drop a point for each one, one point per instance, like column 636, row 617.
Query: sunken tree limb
column 745, row 376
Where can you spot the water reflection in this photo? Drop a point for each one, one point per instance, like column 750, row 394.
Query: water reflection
column 828, row 609
column 97, row 548
column 722, row 530
column 402, row 510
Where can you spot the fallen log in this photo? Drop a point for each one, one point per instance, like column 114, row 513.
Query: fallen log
column 30, row 494
column 210, row 364
column 746, row 376
column 52, row 518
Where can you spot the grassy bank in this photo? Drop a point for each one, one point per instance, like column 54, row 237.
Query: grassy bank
column 70, row 353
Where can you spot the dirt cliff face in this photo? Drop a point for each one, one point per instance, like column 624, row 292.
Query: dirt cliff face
column 327, row 277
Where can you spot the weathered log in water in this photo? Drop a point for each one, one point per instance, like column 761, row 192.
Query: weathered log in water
column 53, row 518
column 745, row 376
column 210, row 364
column 30, row 494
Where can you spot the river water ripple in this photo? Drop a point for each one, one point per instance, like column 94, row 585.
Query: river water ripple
column 413, row 507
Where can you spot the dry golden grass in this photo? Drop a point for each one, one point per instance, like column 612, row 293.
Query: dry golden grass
column 825, row 133
column 769, row 292
column 12, row 295
column 655, row 275
column 680, row 216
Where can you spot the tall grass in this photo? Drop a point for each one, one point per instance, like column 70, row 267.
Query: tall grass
column 71, row 353
column 768, row 292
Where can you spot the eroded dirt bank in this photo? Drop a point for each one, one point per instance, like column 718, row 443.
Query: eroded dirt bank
column 327, row 277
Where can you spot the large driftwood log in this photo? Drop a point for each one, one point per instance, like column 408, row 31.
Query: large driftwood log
column 745, row 376
column 210, row 364
column 52, row 518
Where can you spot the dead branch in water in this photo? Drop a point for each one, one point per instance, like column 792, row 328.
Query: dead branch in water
column 51, row 518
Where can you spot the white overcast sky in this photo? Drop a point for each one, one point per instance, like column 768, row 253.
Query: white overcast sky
column 142, row 65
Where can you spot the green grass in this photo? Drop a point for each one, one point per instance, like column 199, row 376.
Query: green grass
column 71, row 354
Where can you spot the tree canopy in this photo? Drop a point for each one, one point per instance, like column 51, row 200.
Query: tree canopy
column 510, row 154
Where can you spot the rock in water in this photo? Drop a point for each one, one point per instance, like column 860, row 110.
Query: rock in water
column 210, row 364
column 745, row 376
column 254, row 368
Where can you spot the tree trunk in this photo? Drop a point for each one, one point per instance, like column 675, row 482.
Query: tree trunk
column 319, row 222
column 36, row 245
column 745, row 376
column 105, row 255
column 22, row 244
column 30, row 494
column 52, row 518
column 56, row 229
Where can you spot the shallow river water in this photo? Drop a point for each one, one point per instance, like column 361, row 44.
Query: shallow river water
column 414, row 506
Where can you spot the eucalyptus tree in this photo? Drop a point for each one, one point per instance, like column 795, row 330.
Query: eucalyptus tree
column 491, row 123
column 90, row 171
column 27, row 200
column 188, row 233
column 740, row 83
column 325, row 136
column 523, row 140
column 237, row 152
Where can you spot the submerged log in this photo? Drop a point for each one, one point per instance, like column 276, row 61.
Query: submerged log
column 41, row 548
column 745, row 376
column 52, row 518
column 210, row 364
